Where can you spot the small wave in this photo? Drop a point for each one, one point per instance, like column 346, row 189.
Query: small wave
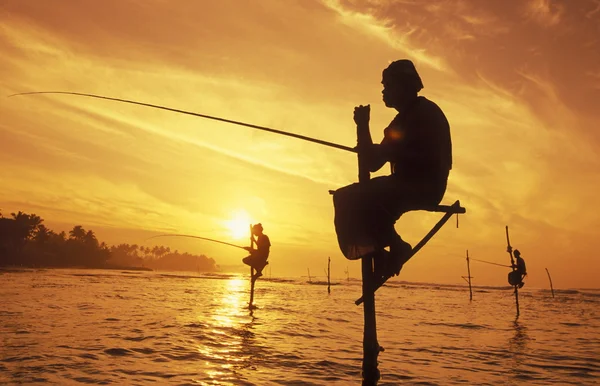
column 21, row 359
column 456, row 325
column 277, row 280
column 117, row 352
column 91, row 380
column 146, row 351
column 147, row 373
column 9, row 313
column 591, row 294
column 88, row 356
column 196, row 325
column 192, row 356
column 139, row 338
column 567, row 291
column 579, row 369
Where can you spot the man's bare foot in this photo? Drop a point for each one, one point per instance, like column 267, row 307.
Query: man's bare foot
column 399, row 254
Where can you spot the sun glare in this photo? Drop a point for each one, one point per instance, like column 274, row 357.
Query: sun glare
column 239, row 225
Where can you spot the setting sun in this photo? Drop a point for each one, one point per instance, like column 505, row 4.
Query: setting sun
column 239, row 225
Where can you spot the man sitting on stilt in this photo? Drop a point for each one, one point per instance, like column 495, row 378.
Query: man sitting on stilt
column 259, row 255
column 519, row 270
column 418, row 146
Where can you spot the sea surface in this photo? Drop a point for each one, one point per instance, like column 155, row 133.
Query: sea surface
column 72, row 327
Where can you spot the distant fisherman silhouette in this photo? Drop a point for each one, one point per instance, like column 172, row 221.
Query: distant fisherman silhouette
column 418, row 146
column 519, row 270
column 259, row 255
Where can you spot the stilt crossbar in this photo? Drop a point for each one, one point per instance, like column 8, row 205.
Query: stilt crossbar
column 449, row 211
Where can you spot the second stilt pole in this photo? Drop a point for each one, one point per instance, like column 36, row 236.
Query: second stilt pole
column 469, row 276
column 550, row 280
column 253, row 276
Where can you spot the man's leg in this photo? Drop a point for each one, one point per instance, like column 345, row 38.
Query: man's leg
column 400, row 252
column 259, row 266
column 394, row 197
column 352, row 226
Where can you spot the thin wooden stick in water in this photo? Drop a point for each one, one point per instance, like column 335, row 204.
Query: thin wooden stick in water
column 252, row 274
column 550, row 279
column 469, row 276
column 328, row 275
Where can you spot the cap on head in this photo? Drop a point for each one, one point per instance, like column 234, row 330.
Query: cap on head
column 257, row 227
column 517, row 253
column 404, row 71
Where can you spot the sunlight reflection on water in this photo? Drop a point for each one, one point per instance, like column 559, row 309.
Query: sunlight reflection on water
column 73, row 326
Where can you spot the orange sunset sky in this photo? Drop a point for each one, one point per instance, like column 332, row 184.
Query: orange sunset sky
column 518, row 80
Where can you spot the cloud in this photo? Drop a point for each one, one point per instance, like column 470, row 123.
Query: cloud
column 546, row 12
column 385, row 30
column 522, row 113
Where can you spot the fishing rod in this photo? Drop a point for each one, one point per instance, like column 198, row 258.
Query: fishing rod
column 197, row 237
column 489, row 262
column 298, row 136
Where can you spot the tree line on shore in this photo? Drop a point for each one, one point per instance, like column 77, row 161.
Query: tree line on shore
column 26, row 241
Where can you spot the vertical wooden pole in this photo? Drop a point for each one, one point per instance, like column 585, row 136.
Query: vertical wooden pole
column 370, row 344
column 252, row 278
column 252, row 281
column 512, row 263
column 469, row 273
column 550, row 279
column 328, row 274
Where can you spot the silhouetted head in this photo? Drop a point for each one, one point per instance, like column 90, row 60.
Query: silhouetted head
column 517, row 253
column 401, row 83
column 257, row 229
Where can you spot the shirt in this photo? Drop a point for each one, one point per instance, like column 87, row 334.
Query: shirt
column 421, row 142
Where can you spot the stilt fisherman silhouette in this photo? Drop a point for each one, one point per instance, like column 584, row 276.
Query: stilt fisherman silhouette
column 519, row 270
column 418, row 146
column 259, row 255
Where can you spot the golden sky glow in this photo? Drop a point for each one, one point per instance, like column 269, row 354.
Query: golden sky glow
column 519, row 82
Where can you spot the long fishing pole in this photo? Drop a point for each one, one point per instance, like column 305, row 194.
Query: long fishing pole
column 197, row 237
column 298, row 136
column 489, row 262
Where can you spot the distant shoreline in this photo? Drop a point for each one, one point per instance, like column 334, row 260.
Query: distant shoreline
column 111, row 267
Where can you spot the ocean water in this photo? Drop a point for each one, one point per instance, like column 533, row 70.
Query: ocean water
column 72, row 327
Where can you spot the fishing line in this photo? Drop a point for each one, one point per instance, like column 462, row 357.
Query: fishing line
column 197, row 237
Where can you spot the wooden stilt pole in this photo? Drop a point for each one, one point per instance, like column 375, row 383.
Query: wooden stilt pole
column 512, row 261
column 370, row 372
column 252, row 274
column 370, row 344
column 550, row 279
column 469, row 276
column 328, row 274
column 252, row 281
